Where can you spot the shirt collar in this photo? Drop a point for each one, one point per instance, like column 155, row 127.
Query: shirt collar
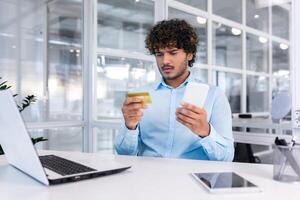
column 162, row 83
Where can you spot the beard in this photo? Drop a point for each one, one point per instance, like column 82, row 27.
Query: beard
column 176, row 74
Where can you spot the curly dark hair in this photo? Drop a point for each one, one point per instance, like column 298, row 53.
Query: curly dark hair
column 173, row 33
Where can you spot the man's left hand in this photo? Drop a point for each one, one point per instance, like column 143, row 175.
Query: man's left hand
column 193, row 117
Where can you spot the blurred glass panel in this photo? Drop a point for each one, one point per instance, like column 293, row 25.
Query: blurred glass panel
column 200, row 74
column 201, row 4
column 123, row 24
column 257, row 94
column 257, row 53
column 60, row 139
column 281, row 67
column 231, row 84
column 281, row 61
column 230, row 9
column 105, row 140
column 32, row 44
column 281, row 19
column 65, row 60
column 115, row 77
column 281, row 83
column 227, row 46
column 21, row 37
column 200, row 24
column 9, row 42
column 258, row 14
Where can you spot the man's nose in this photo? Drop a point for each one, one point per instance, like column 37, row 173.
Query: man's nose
column 166, row 59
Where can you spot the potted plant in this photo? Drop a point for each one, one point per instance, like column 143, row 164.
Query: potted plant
column 24, row 104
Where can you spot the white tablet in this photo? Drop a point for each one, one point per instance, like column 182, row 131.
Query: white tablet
column 220, row 182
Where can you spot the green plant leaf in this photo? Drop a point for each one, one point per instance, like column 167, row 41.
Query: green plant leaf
column 3, row 83
column 38, row 139
column 1, row 150
column 5, row 87
column 34, row 141
column 25, row 103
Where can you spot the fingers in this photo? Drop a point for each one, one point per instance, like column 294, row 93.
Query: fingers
column 190, row 116
column 187, row 113
column 132, row 104
column 191, row 111
column 184, row 123
column 134, row 107
column 132, row 111
column 192, row 107
column 133, row 114
column 185, row 118
column 130, row 100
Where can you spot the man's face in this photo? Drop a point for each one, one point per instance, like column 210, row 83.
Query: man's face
column 172, row 62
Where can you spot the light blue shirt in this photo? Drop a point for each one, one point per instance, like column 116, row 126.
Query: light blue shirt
column 160, row 134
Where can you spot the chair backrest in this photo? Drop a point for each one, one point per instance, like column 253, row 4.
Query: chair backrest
column 281, row 105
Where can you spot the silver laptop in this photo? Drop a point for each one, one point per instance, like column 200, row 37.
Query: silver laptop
column 48, row 169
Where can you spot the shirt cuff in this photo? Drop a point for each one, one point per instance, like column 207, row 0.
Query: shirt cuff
column 131, row 137
column 210, row 139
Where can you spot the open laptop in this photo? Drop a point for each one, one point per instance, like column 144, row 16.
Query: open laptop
column 49, row 169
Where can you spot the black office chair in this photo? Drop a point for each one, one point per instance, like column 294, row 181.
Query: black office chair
column 243, row 152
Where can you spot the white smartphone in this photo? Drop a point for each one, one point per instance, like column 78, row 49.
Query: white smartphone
column 195, row 93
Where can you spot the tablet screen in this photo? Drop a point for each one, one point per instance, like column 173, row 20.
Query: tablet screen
column 223, row 180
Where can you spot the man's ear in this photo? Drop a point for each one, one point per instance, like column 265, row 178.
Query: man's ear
column 189, row 56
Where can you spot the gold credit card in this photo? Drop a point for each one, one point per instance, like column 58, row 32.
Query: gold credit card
column 143, row 95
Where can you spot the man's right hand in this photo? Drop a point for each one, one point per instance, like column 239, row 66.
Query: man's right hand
column 131, row 110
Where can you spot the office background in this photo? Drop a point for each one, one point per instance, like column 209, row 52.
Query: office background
column 80, row 57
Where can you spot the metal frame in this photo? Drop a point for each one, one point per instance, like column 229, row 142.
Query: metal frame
column 270, row 46
column 19, row 36
column 45, row 57
column 89, row 67
column 160, row 10
column 295, row 68
column 49, row 125
column 124, row 54
column 209, row 43
column 244, row 61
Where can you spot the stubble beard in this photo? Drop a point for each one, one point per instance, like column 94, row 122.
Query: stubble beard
column 183, row 68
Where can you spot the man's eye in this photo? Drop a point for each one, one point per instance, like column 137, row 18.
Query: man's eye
column 158, row 54
column 173, row 53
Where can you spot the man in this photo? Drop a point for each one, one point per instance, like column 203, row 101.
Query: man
column 169, row 127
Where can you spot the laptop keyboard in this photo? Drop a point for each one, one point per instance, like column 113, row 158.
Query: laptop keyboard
column 63, row 166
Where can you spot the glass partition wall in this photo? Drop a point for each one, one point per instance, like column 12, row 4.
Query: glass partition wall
column 122, row 61
column 243, row 48
column 41, row 55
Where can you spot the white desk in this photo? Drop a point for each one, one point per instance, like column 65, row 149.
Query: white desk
column 149, row 178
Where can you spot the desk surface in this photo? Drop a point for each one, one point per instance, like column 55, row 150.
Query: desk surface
column 149, row 178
